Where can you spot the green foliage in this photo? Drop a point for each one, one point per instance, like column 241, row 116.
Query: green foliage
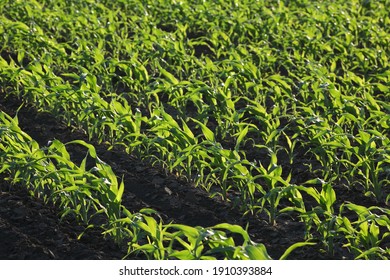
column 235, row 96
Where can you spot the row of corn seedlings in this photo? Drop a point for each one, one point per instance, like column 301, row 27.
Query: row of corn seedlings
column 49, row 172
column 174, row 146
column 210, row 99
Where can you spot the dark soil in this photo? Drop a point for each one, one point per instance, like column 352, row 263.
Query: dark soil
column 30, row 229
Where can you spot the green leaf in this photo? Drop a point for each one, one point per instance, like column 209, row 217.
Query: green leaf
column 295, row 246
column 68, row 189
column 120, row 191
column 208, row 134
column 188, row 132
column 280, row 80
column 316, row 181
column 148, row 211
column 372, row 102
column 99, row 56
column 168, row 75
column 234, row 228
column 187, row 230
column 91, row 148
column 258, row 252
column 383, row 88
column 372, row 251
column 241, row 137
column 60, row 147
column 182, row 255
column 360, row 210
column 328, row 196
column 170, row 120
column 310, row 191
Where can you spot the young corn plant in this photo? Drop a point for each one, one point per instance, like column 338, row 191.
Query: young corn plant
column 372, row 162
column 367, row 234
column 275, row 189
column 321, row 217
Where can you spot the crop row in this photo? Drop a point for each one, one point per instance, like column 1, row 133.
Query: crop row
column 232, row 103
column 49, row 173
column 88, row 195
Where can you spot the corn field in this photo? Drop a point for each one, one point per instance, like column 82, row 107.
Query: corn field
column 279, row 110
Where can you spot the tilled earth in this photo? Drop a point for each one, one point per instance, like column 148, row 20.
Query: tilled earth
column 30, row 229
